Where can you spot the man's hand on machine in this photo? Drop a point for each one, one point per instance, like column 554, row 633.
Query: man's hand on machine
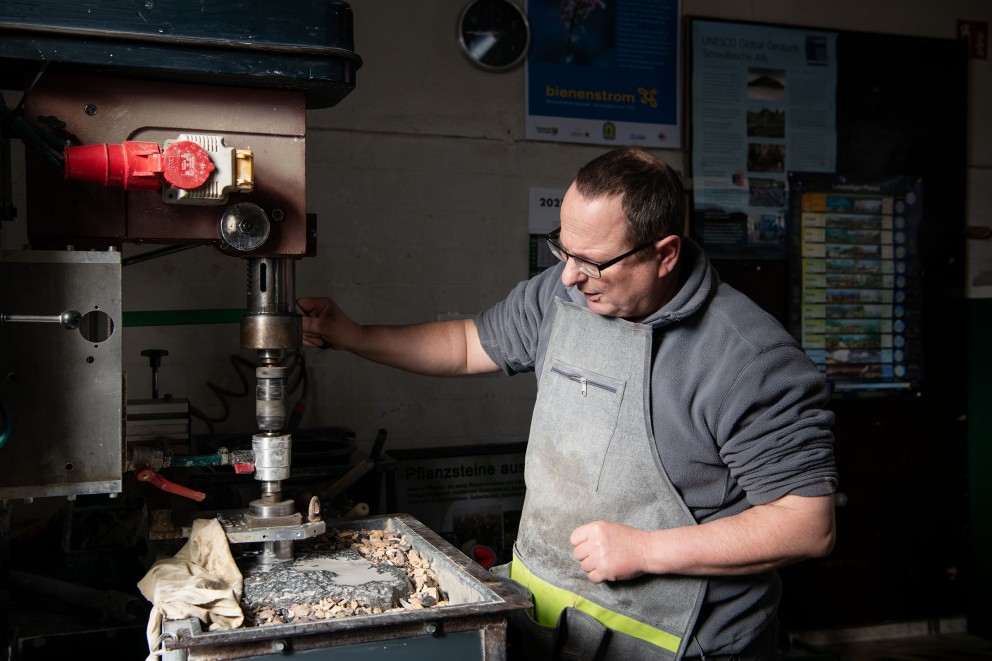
column 325, row 325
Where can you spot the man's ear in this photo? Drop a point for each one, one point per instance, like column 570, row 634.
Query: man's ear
column 669, row 248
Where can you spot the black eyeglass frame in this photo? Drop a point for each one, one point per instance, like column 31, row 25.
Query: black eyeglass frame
column 563, row 255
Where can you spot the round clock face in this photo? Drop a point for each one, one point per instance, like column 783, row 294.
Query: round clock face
column 494, row 34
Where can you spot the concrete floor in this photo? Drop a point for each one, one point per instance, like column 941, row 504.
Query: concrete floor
column 946, row 640
column 950, row 647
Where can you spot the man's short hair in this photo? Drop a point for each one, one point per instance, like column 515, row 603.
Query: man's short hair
column 653, row 196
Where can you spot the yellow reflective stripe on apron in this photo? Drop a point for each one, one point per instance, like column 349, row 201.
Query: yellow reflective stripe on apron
column 550, row 601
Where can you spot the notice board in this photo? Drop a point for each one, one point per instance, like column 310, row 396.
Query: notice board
column 899, row 107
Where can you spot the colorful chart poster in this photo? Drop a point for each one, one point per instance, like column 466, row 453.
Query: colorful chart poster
column 857, row 281
column 763, row 104
column 604, row 72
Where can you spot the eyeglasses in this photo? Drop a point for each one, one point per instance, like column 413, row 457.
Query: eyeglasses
column 590, row 269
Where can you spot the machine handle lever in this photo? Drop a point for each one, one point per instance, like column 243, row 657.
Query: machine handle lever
column 149, row 475
column 69, row 319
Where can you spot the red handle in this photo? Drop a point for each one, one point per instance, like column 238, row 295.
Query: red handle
column 149, row 475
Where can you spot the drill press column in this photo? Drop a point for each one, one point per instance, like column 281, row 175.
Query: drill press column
column 272, row 327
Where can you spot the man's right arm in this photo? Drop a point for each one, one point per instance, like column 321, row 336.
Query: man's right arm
column 440, row 348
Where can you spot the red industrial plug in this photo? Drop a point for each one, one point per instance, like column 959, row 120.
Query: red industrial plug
column 140, row 165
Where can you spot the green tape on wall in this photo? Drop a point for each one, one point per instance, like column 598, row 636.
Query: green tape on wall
column 183, row 317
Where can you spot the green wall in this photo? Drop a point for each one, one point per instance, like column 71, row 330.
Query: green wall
column 980, row 466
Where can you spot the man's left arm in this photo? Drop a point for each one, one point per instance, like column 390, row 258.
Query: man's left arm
column 761, row 538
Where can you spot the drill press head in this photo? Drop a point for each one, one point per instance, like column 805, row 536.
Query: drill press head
column 271, row 327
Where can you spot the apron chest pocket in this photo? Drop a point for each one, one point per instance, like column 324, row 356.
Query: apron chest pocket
column 579, row 421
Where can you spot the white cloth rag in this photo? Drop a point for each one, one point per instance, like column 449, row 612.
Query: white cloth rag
column 201, row 580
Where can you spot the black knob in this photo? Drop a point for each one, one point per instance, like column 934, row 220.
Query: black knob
column 155, row 356
column 155, row 360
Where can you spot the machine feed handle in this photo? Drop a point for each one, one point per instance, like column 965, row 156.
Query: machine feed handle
column 377, row 445
column 150, row 476
column 69, row 319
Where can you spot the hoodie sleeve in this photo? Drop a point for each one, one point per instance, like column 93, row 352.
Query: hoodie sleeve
column 511, row 330
column 774, row 430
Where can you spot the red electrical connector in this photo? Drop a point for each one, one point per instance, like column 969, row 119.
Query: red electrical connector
column 244, row 468
column 140, row 165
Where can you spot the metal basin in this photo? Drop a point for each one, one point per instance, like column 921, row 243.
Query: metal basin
column 471, row 624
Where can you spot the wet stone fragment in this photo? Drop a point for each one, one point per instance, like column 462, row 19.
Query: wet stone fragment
column 342, row 573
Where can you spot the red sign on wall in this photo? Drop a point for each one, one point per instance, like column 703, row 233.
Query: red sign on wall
column 976, row 33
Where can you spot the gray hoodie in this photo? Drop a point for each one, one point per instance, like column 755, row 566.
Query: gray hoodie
column 739, row 414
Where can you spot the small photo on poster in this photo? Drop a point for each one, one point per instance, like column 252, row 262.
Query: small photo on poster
column 766, row 192
column 574, row 33
column 766, row 84
column 766, row 122
column 766, row 227
column 765, row 157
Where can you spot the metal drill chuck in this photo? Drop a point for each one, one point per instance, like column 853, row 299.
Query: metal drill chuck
column 272, row 456
column 270, row 398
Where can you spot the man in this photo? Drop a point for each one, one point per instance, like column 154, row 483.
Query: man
column 680, row 449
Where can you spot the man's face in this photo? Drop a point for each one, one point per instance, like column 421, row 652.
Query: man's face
column 595, row 230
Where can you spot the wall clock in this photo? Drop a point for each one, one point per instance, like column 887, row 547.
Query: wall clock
column 494, row 34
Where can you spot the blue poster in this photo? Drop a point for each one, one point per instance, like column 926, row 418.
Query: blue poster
column 604, row 72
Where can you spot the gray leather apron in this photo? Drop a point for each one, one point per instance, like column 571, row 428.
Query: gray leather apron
column 591, row 456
